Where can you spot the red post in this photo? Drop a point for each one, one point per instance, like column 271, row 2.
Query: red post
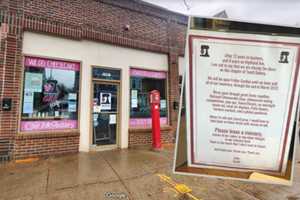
column 155, row 114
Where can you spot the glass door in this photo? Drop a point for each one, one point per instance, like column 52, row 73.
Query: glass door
column 105, row 113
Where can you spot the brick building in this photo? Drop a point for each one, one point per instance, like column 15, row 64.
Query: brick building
column 75, row 74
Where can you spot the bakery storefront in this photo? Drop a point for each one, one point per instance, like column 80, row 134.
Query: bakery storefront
column 77, row 79
column 101, row 94
column 50, row 95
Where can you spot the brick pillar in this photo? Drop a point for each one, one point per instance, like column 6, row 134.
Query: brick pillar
column 173, row 71
column 173, row 78
column 4, row 4
column 10, row 74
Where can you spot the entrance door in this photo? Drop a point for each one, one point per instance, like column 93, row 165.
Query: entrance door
column 105, row 113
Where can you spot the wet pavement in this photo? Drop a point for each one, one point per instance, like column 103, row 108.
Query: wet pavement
column 124, row 174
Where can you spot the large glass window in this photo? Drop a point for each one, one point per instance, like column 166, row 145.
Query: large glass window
column 50, row 95
column 141, row 83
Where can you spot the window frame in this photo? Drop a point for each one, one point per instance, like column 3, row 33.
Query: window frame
column 21, row 98
column 119, row 83
column 166, row 92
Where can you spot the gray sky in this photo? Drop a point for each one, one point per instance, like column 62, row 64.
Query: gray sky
column 281, row 12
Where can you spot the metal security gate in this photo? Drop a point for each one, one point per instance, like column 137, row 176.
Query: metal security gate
column 5, row 149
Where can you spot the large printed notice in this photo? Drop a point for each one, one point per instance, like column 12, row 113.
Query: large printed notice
column 241, row 102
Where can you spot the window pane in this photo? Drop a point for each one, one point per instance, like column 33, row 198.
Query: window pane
column 142, row 87
column 50, row 97
column 141, row 83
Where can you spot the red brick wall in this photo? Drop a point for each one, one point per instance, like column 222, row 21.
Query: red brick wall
column 10, row 75
column 144, row 137
column 151, row 29
column 45, row 145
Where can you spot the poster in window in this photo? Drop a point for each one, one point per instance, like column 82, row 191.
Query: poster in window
column 95, row 102
column 72, row 102
column 95, row 120
column 72, row 96
column 242, row 103
column 105, row 101
column 134, row 98
column 72, row 106
column 33, row 82
column 51, row 93
column 97, row 109
column 112, row 119
column 163, row 103
column 28, row 102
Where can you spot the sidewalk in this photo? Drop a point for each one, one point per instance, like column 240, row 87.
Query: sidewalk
column 123, row 174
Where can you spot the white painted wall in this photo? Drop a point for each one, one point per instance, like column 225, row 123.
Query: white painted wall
column 181, row 64
column 93, row 53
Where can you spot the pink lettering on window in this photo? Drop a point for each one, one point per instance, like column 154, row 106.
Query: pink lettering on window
column 50, row 63
column 145, row 122
column 48, row 125
column 148, row 74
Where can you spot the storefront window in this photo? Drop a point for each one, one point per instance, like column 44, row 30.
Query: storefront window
column 50, row 95
column 142, row 82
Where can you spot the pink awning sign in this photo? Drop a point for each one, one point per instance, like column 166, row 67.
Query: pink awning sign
column 148, row 73
column 50, row 63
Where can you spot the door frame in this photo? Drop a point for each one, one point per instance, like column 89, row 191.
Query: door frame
column 94, row 81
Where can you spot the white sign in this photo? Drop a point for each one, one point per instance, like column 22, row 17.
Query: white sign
column 97, row 109
column 95, row 119
column 112, row 119
column 163, row 103
column 241, row 97
column 72, row 104
column 105, row 101
column 134, row 98
column 33, row 82
column 28, row 102
column 72, row 96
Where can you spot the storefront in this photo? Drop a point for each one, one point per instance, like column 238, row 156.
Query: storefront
column 79, row 80
column 102, row 97
column 50, row 95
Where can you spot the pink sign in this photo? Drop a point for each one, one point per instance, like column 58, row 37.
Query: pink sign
column 145, row 122
column 48, row 125
column 148, row 74
column 50, row 63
